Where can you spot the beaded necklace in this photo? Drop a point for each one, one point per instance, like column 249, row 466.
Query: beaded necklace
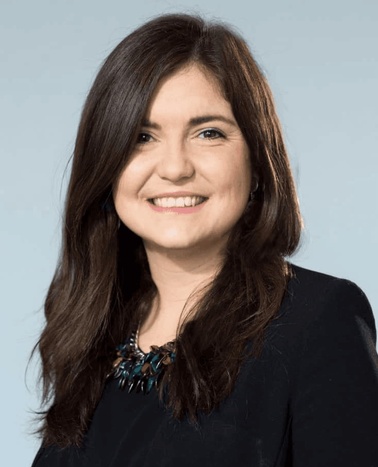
column 139, row 371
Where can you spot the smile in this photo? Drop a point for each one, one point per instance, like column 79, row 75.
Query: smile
column 178, row 202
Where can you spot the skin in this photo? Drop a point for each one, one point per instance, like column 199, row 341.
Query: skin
column 190, row 145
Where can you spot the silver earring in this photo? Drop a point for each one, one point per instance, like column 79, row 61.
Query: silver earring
column 252, row 193
column 256, row 187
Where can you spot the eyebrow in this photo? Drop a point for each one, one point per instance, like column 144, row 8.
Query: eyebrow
column 195, row 121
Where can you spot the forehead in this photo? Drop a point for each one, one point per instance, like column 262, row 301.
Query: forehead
column 191, row 87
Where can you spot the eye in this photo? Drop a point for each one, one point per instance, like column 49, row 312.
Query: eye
column 211, row 133
column 143, row 138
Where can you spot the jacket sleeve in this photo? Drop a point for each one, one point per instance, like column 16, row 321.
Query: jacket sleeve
column 335, row 395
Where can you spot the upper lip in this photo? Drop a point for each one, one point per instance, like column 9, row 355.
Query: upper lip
column 176, row 194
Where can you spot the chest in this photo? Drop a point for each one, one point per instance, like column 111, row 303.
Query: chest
column 250, row 428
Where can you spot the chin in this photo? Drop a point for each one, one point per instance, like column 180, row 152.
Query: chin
column 178, row 241
column 174, row 245
column 181, row 245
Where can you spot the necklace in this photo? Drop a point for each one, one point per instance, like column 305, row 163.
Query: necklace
column 141, row 371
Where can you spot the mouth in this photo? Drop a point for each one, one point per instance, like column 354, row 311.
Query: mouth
column 177, row 201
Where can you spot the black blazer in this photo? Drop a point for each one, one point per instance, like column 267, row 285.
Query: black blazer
column 310, row 400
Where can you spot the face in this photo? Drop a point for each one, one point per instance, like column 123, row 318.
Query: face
column 188, row 179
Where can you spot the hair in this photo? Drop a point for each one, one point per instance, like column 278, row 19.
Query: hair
column 102, row 281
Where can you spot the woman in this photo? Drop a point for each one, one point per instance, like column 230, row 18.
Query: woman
column 181, row 210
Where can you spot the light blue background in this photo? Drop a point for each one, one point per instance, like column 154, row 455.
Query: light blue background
column 321, row 60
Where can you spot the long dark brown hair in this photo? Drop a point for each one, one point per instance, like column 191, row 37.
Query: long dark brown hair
column 102, row 281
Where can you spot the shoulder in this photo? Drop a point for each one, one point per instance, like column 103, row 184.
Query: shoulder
column 307, row 286
column 313, row 296
column 320, row 303
column 326, row 335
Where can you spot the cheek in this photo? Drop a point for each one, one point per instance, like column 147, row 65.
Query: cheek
column 128, row 183
column 135, row 176
column 245, row 171
column 239, row 178
column 118, row 189
column 123, row 193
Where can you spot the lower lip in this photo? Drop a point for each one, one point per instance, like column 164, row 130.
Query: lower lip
column 187, row 210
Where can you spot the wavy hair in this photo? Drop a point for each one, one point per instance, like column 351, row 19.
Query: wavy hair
column 102, row 281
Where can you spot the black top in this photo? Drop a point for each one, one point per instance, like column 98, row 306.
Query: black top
column 310, row 400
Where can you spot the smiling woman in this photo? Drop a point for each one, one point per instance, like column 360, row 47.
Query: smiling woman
column 174, row 283
column 188, row 162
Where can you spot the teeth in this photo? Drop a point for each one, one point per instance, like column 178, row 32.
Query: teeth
column 180, row 202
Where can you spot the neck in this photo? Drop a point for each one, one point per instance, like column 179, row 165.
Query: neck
column 179, row 278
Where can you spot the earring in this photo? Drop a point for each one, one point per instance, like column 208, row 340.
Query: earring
column 256, row 187
column 252, row 193
column 250, row 200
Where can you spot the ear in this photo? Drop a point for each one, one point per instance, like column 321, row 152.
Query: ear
column 254, row 184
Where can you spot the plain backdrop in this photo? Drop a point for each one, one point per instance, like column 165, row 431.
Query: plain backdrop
column 321, row 60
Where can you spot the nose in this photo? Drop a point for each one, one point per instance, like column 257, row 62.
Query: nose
column 175, row 163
